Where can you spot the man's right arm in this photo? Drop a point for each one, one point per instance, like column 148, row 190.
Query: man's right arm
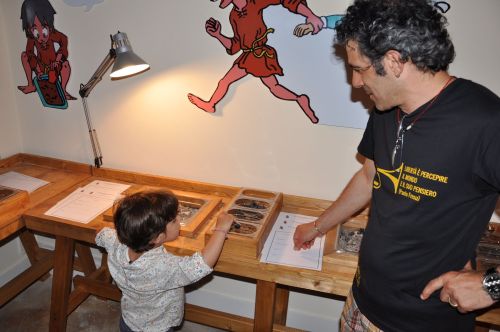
column 354, row 197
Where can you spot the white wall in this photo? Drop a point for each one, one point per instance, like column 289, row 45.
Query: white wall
column 146, row 123
column 10, row 133
column 11, row 256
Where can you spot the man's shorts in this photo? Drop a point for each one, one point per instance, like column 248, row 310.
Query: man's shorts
column 352, row 320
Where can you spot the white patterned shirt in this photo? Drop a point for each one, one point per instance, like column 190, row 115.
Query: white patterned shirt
column 153, row 285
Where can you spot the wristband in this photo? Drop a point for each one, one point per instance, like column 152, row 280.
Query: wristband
column 316, row 228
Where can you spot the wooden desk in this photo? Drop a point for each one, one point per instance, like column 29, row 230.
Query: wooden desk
column 268, row 295
column 272, row 280
column 60, row 175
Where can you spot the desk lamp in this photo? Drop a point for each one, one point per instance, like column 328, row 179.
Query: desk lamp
column 126, row 64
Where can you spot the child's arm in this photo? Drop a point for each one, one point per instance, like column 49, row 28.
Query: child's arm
column 213, row 248
column 104, row 236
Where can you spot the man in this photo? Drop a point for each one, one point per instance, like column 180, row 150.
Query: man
column 431, row 173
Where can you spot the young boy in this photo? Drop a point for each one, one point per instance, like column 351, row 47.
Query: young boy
column 152, row 279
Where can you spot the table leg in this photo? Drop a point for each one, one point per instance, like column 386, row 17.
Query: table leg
column 281, row 305
column 85, row 258
column 29, row 244
column 265, row 299
column 32, row 249
column 61, row 283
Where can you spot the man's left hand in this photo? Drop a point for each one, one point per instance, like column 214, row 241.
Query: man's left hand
column 461, row 289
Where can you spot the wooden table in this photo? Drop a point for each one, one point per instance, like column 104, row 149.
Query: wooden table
column 272, row 281
column 271, row 299
column 60, row 175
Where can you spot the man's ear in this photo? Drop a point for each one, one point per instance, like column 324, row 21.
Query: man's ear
column 394, row 64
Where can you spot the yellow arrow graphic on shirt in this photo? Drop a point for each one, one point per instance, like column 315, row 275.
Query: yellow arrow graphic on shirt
column 393, row 175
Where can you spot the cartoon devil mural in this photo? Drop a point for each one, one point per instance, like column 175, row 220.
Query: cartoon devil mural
column 45, row 60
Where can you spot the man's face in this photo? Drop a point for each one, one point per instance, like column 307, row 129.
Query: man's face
column 39, row 31
column 378, row 88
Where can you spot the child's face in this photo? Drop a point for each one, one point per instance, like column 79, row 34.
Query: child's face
column 173, row 228
column 39, row 31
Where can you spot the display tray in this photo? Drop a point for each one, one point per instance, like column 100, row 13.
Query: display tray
column 255, row 212
column 11, row 200
column 6, row 192
column 349, row 239
column 350, row 234
column 194, row 209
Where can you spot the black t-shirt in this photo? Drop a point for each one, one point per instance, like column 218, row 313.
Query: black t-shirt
column 429, row 212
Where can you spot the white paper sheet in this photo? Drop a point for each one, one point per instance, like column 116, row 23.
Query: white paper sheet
column 86, row 203
column 278, row 248
column 20, row 181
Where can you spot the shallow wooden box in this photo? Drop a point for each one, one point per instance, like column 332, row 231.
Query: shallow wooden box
column 334, row 251
column 11, row 200
column 255, row 211
column 203, row 207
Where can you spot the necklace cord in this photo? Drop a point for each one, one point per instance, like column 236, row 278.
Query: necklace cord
column 452, row 78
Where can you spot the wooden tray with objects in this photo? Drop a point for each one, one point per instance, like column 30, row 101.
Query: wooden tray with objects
column 343, row 242
column 10, row 201
column 194, row 209
column 255, row 212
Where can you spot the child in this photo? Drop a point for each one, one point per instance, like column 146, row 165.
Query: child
column 150, row 278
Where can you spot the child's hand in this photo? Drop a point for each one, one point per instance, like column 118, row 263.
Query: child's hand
column 224, row 221
column 303, row 29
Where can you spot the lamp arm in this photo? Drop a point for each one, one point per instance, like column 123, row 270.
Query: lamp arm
column 85, row 89
column 96, row 147
column 84, row 92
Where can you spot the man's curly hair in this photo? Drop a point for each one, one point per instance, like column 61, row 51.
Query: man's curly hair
column 414, row 28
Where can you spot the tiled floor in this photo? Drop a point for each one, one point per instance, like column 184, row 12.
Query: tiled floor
column 29, row 311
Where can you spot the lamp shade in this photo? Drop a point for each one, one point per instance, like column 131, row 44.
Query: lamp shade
column 127, row 62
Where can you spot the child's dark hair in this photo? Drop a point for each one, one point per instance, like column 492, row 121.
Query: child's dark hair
column 141, row 217
column 39, row 8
